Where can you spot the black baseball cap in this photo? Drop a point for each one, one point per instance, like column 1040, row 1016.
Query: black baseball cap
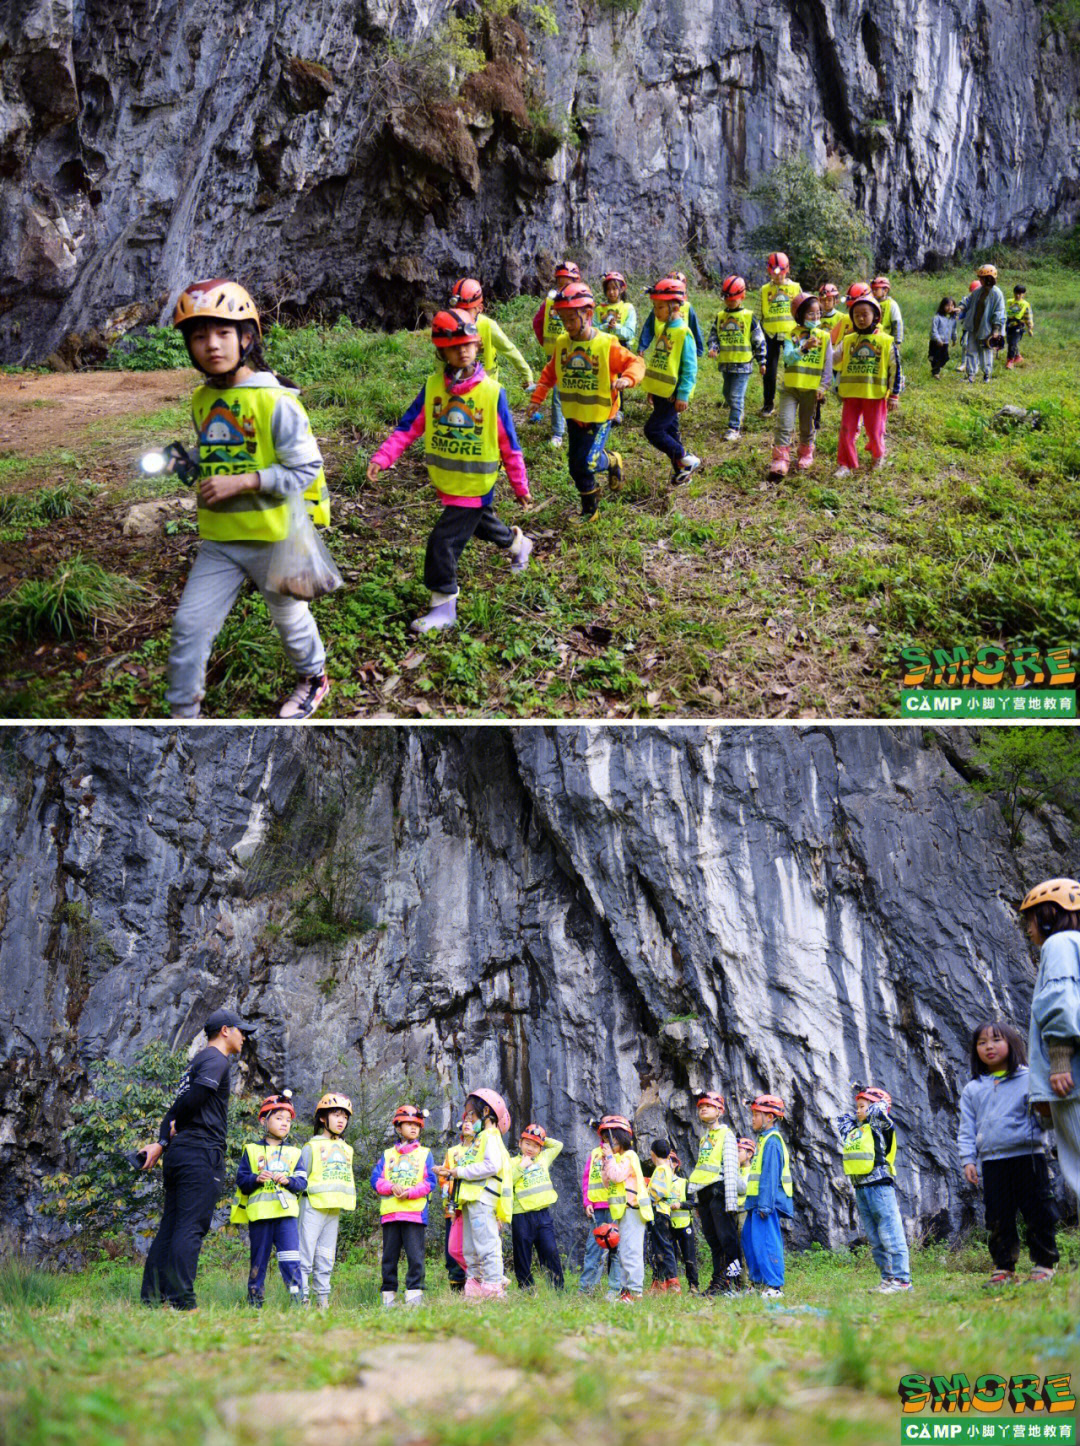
column 226, row 1019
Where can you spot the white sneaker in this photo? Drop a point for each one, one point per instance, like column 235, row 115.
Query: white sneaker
column 389, row 1297
column 690, row 464
column 413, row 1297
column 555, row 443
column 842, row 472
column 771, row 1293
column 731, row 435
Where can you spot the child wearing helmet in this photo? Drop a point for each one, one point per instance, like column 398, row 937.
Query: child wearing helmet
column 267, row 1199
column 404, row 1178
column 589, row 369
column 547, row 328
column 776, row 321
column 738, row 343
column 256, row 450
column 1001, row 1135
column 855, row 292
column 867, row 358
column 1052, row 920
column 746, row 1147
column 630, row 1205
column 891, row 320
column 682, row 1225
column 596, row 1202
column 1018, row 320
column 464, row 419
column 688, row 314
column 982, row 324
column 455, row 1266
column 534, row 1195
column 325, row 1169
column 671, row 367
column 615, row 314
column 807, row 355
column 714, row 1182
column 868, row 1141
column 768, row 1196
column 468, row 295
column 942, row 334
column 663, row 1194
column 485, row 1194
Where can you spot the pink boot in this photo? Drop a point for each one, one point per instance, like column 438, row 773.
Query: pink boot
column 806, row 456
column 779, row 464
column 496, row 1291
column 474, row 1290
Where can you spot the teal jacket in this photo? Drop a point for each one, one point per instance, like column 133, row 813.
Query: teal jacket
column 1055, row 1013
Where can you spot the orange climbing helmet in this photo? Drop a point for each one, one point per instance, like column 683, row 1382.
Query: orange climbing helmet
column 873, row 1096
column 768, row 1105
column 618, row 278
column 711, row 1097
column 615, row 1122
column 606, row 1236
column 668, row 289
column 778, row 262
column 453, row 328
column 409, row 1115
column 536, row 1133
column 466, row 292
column 283, row 1101
column 828, row 292
column 733, row 286
column 883, row 282
column 214, row 300
column 574, row 297
column 987, row 270
column 857, row 291
column 1063, row 892
column 745, row 1143
column 567, row 271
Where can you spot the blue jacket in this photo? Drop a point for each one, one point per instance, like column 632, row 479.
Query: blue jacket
column 993, row 316
column 995, row 1121
column 770, row 1194
column 1055, row 1012
column 689, row 316
column 246, row 1179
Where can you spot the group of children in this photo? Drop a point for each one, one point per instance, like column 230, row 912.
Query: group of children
column 987, row 323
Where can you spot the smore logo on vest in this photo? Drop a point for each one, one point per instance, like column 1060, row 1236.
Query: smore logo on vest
column 336, row 1163
column 457, row 427
column 862, row 358
column 227, row 438
column 582, row 369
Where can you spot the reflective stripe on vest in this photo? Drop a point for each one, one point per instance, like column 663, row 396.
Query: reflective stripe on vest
column 235, row 436
column 663, row 1179
column 533, row 1189
column 266, row 1201
column 733, row 330
column 1017, row 310
column 583, row 377
column 776, row 317
column 635, row 1194
column 404, row 1169
column 498, row 1189
column 663, row 358
column 552, row 327
column 610, row 314
column 805, row 374
column 680, row 1215
column 710, row 1161
column 596, row 1191
column 753, row 1175
column 330, row 1182
column 859, row 1152
column 461, row 436
column 864, row 364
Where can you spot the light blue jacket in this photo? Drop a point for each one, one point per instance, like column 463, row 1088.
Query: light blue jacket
column 1055, row 1012
column 995, row 1121
column 993, row 317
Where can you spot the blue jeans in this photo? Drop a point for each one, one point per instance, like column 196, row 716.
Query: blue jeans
column 763, row 1246
column 586, row 456
column 880, row 1216
column 558, row 421
column 735, row 385
column 595, row 1257
column 662, row 429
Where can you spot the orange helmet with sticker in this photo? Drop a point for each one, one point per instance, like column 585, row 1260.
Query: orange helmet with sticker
column 215, row 300
column 574, row 297
column 1063, row 892
column 409, row 1115
column 828, row 292
column 778, row 261
column 536, row 1133
column 567, row 271
column 711, row 1097
column 615, row 1122
column 668, row 289
column 733, row 286
column 272, row 1103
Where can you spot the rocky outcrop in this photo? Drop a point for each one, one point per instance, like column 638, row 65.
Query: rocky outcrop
column 586, row 918
column 143, row 145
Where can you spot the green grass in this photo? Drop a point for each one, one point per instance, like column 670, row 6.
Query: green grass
column 731, row 595
column 82, row 1361
column 78, row 596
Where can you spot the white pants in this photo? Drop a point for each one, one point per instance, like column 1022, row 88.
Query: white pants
column 628, row 1267
column 1066, row 1117
column 480, row 1242
column 318, row 1247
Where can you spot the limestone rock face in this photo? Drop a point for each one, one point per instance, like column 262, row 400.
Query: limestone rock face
column 585, row 919
column 144, row 145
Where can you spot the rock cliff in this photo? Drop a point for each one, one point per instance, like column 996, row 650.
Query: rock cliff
column 146, row 143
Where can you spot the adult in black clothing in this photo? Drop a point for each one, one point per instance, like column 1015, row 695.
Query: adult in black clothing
column 192, row 1141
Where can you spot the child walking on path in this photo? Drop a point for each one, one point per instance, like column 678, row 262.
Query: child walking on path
column 468, row 295
column 325, row 1169
column 404, row 1179
column 776, row 321
column 869, row 1144
column 547, row 328
column 267, row 1198
column 715, row 1184
column 738, row 343
column 867, row 356
column 596, row 1202
column 1052, row 919
column 670, row 377
column 255, row 451
column 485, row 1195
column 615, row 314
column 534, row 1195
column 689, row 316
column 631, row 1208
column 807, row 375
column 1002, row 1136
column 1018, row 319
column 768, row 1196
column 942, row 335
column 464, row 419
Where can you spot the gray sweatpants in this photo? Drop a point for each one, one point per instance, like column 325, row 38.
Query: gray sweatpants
column 480, row 1243
column 800, row 401
column 1066, row 1117
column 318, row 1247
column 219, row 572
column 976, row 355
column 628, row 1267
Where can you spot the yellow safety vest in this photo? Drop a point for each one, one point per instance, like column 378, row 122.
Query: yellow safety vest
column 1018, row 310
column 753, row 1175
column 744, row 1176
column 610, row 314
column 864, row 364
column 829, row 319
column 597, row 1192
column 488, row 356
column 404, row 1169
column 552, row 327
column 234, row 431
column 710, row 1161
column 804, row 374
column 680, row 1215
column 841, row 329
column 662, row 1188
column 583, row 376
column 266, row 1201
column 776, row 317
column 635, row 1195
column 733, row 329
column 330, row 1181
column 461, row 436
column 663, row 358
column 533, row 1189
column 449, row 1188
column 859, row 1151
column 888, row 321
column 498, row 1189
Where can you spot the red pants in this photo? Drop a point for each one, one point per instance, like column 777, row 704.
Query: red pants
column 871, row 412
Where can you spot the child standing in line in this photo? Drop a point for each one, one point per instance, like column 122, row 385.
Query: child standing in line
column 1018, row 319
column 714, row 1182
column 807, row 374
column 267, row 1199
column 485, row 1195
column 589, row 369
column 776, row 321
column 596, row 1202
column 468, row 295
column 738, row 342
column 534, row 1195
column 769, row 1195
column 867, row 355
column 830, row 316
column 325, row 1170
column 464, row 419
column 1052, row 920
column 746, row 1148
column 670, row 378
column 855, row 292
column 631, row 1208
column 1002, row 1136
column 547, row 328
column 942, row 335
column 615, row 314
column 662, row 1194
column 869, row 1144
column 255, row 451
column 404, row 1178
column 454, row 1269
column 891, row 320
column 682, row 1227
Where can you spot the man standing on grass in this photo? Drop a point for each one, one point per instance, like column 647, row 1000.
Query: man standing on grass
column 192, row 1140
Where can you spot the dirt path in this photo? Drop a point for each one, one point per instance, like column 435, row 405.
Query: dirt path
column 38, row 413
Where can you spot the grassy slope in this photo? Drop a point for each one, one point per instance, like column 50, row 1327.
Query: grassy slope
column 730, row 596
column 87, row 1364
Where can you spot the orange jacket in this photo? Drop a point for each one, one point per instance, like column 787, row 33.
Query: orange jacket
column 621, row 362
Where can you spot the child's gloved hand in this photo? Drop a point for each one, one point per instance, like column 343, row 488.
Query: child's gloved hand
column 373, row 471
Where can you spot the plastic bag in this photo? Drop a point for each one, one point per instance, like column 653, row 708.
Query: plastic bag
column 300, row 565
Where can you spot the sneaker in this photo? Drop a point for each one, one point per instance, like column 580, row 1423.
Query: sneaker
column 615, row 471
column 690, row 464
column 555, row 443
column 841, row 473
column 986, row 376
column 1002, row 1277
column 627, row 1297
column 519, row 560
column 389, row 1297
column 768, row 411
column 771, row 1293
column 960, row 366
column 731, row 435
column 305, row 697
column 970, row 380
column 874, row 464
column 894, row 1287
column 414, row 1297
column 1041, row 1275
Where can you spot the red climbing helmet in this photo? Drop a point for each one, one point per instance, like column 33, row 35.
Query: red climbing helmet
column 466, row 292
column 778, row 262
column 615, row 1122
column 798, row 302
column 618, row 278
column 567, row 271
column 453, row 328
column 855, row 292
column 536, row 1133
column 574, row 297
column 409, row 1115
column 745, row 1143
column 768, row 1105
column 710, row 1097
column 882, row 281
column 668, row 289
column 828, row 292
column 606, row 1236
column 873, row 1096
column 283, row 1101
column 733, row 286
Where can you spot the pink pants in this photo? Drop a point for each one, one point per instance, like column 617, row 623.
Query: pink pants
column 872, row 412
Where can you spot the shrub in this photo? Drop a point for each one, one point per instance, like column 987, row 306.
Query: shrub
column 807, row 216
column 159, row 348
column 79, row 592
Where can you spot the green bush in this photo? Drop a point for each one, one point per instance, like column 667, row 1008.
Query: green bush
column 160, row 348
column 77, row 594
column 809, row 218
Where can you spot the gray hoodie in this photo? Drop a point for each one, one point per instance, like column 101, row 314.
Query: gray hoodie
column 297, row 452
column 995, row 1122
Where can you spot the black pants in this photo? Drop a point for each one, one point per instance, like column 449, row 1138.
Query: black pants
column 1021, row 1184
column 585, row 457
column 662, row 430
column 453, row 1269
column 194, row 1175
column 774, row 350
column 664, row 1267
column 448, row 538
column 535, row 1227
column 686, row 1249
column 939, row 356
column 398, row 1235
column 1013, row 334
column 721, row 1231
